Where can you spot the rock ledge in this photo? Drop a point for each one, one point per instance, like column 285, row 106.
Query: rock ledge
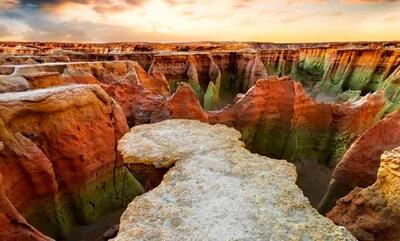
column 216, row 190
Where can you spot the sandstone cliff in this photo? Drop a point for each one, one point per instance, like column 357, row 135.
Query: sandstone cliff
column 276, row 117
column 327, row 70
column 360, row 164
column 59, row 164
column 138, row 93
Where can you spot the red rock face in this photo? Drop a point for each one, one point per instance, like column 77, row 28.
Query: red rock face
column 276, row 112
column 13, row 224
column 360, row 164
column 185, row 105
column 138, row 93
column 59, row 165
column 372, row 214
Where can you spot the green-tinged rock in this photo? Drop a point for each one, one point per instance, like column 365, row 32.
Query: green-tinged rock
column 88, row 203
column 211, row 97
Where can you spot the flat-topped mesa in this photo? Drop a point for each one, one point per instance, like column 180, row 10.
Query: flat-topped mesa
column 215, row 189
column 59, row 164
column 373, row 213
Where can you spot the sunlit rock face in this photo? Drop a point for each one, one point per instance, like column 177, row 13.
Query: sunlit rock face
column 138, row 93
column 58, row 163
column 216, row 189
column 359, row 165
column 373, row 213
column 330, row 71
column 277, row 117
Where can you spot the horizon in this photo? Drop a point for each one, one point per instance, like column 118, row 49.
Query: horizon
column 201, row 41
column 173, row 21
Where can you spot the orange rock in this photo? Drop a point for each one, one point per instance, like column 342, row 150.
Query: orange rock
column 373, row 213
column 138, row 93
column 360, row 164
column 185, row 105
column 59, row 163
column 13, row 226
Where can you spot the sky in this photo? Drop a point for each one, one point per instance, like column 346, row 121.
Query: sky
column 199, row 20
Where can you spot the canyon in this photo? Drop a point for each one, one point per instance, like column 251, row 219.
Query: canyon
column 329, row 109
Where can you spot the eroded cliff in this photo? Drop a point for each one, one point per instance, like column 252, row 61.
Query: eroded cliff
column 59, row 164
column 315, row 105
column 373, row 213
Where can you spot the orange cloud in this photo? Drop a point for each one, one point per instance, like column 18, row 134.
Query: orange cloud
column 370, row 1
column 8, row 4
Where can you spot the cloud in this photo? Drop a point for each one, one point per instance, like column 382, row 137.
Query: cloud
column 243, row 3
column 190, row 20
column 369, row 1
column 101, row 6
column 8, row 4
column 4, row 30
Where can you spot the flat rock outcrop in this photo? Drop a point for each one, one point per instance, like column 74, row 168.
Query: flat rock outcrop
column 58, row 162
column 215, row 189
column 373, row 213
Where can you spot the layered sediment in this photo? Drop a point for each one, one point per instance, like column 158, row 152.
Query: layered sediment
column 333, row 71
column 216, row 189
column 137, row 92
column 59, row 164
column 327, row 107
column 373, row 213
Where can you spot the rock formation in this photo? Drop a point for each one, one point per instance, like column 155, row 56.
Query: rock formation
column 13, row 224
column 216, row 189
column 59, row 164
column 359, row 166
column 373, row 213
column 315, row 105
column 138, row 93
column 276, row 117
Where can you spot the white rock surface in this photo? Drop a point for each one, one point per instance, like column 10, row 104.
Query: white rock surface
column 217, row 190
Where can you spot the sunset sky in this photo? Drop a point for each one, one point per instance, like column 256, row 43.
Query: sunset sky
column 196, row 20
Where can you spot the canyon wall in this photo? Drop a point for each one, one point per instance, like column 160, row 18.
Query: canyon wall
column 373, row 213
column 360, row 163
column 329, row 71
column 315, row 105
column 59, row 164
